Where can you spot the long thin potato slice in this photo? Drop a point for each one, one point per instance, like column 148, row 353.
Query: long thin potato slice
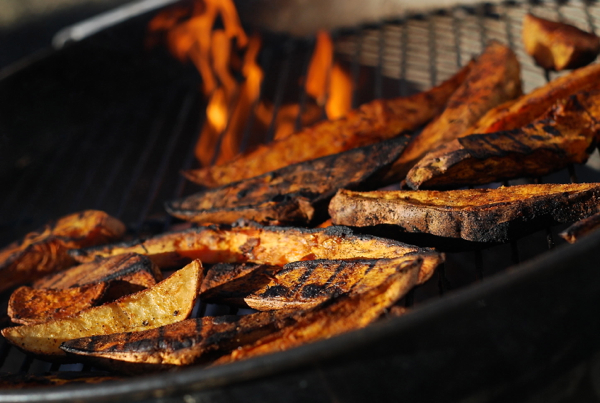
column 169, row 301
column 264, row 245
column 373, row 122
column 46, row 250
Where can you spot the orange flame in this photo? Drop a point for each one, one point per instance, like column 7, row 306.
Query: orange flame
column 231, row 104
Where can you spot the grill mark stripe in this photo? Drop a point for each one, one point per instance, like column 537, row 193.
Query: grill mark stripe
column 304, row 278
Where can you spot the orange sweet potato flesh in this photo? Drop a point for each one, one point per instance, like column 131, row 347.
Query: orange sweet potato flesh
column 46, row 250
column 557, row 45
column 533, row 105
column 264, row 245
column 372, row 122
column 566, row 134
column 29, row 305
column 494, row 79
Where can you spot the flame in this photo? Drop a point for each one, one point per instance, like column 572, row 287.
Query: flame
column 192, row 34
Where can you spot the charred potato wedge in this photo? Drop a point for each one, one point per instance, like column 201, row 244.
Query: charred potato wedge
column 303, row 285
column 581, row 228
column 478, row 215
column 192, row 341
column 29, row 305
column 373, row 122
column 294, row 194
column 494, row 79
column 334, row 317
column 264, row 245
column 46, row 250
column 566, row 135
column 557, row 45
column 169, row 301
column 533, row 105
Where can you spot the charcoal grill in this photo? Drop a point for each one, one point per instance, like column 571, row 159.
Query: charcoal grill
column 106, row 123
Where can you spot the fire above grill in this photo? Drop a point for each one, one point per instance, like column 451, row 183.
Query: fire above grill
column 106, row 123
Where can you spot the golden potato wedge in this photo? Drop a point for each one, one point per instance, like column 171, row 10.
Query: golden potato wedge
column 557, row 45
column 264, row 245
column 45, row 251
column 169, row 301
column 28, row 305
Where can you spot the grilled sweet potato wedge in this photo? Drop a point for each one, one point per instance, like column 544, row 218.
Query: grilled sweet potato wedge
column 45, row 250
column 131, row 268
column 581, row 228
column 557, row 45
column 303, row 285
column 296, row 193
column 334, row 317
column 192, row 341
column 373, row 122
column 169, row 301
column 264, row 245
column 479, row 215
column 533, row 105
column 494, row 79
column 565, row 135
column 29, row 305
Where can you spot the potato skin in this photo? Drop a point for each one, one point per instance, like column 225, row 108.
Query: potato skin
column 478, row 215
column 557, row 45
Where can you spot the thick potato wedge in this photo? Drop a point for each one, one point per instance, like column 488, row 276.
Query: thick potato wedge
column 192, row 341
column 264, row 245
column 373, row 122
column 581, row 228
column 558, row 46
column 334, row 317
column 565, row 135
column 45, row 251
column 169, row 301
column 479, row 215
column 297, row 193
column 129, row 268
column 494, row 79
column 533, row 105
column 303, row 285
column 29, row 305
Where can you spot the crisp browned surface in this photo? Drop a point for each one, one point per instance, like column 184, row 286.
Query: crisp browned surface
column 581, row 228
column 264, row 245
column 303, row 285
column 26, row 381
column 557, row 45
column 296, row 193
column 169, row 301
column 130, row 267
column 29, row 305
column 563, row 136
column 192, row 341
column 372, row 122
column 332, row 318
column 480, row 215
column 494, row 79
column 45, row 250
column 534, row 104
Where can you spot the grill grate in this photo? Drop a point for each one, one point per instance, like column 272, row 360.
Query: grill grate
column 125, row 157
